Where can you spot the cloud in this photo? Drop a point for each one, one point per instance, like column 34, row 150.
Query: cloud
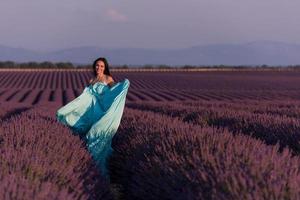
column 115, row 15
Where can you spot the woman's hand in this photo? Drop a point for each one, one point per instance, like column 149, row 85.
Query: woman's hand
column 91, row 81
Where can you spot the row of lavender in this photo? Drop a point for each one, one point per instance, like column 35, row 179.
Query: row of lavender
column 171, row 151
column 67, row 80
column 40, row 96
column 63, row 86
column 235, row 80
column 161, row 157
column 41, row 159
column 270, row 121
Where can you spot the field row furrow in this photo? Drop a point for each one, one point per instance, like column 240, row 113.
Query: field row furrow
column 64, row 95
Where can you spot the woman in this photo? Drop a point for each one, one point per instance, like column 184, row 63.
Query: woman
column 95, row 115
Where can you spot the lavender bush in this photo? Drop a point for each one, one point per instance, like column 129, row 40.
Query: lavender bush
column 271, row 129
column 42, row 158
column 159, row 157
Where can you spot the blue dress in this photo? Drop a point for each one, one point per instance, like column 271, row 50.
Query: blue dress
column 95, row 116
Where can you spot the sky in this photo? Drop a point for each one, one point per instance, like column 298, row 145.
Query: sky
column 47, row 25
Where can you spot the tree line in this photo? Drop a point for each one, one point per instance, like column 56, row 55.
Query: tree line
column 69, row 65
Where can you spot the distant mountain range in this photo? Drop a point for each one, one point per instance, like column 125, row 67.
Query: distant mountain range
column 253, row 53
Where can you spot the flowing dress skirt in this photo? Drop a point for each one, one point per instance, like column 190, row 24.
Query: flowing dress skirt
column 95, row 116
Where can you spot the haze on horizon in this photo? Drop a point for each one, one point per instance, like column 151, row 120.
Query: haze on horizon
column 51, row 25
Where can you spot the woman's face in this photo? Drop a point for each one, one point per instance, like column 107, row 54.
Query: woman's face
column 100, row 67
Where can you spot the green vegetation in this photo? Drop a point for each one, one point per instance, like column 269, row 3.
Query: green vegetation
column 69, row 65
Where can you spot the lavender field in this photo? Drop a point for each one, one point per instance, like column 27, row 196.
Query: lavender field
column 183, row 135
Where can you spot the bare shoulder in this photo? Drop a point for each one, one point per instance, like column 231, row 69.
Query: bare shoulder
column 110, row 81
column 109, row 78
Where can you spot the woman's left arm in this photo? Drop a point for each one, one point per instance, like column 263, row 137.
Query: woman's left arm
column 111, row 82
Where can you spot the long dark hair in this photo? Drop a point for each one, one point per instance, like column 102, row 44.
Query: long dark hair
column 106, row 66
